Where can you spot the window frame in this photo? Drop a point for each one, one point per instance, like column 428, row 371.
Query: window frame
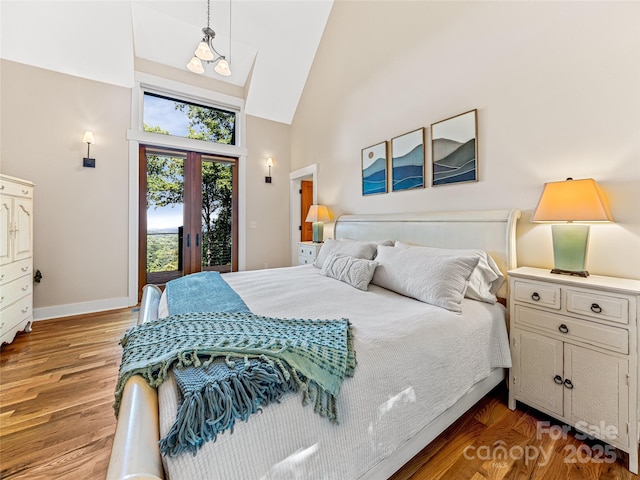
column 137, row 136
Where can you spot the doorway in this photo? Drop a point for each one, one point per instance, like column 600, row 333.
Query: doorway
column 188, row 214
column 306, row 200
column 296, row 178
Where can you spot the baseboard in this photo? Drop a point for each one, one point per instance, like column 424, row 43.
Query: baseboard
column 70, row 309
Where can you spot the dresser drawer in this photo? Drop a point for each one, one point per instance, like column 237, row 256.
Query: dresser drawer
column 15, row 270
column 599, row 306
column 537, row 294
column 16, row 189
column 567, row 328
column 16, row 313
column 12, row 291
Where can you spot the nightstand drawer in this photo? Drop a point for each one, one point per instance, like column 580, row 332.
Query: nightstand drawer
column 537, row 294
column 610, row 338
column 306, row 251
column 598, row 306
column 304, row 260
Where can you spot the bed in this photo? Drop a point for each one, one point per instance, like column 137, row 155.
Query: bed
column 420, row 366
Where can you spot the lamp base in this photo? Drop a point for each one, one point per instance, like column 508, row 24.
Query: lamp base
column 570, row 249
column 583, row 273
column 318, row 232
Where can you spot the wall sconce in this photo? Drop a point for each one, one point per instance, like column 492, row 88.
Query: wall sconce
column 88, row 139
column 269, row 164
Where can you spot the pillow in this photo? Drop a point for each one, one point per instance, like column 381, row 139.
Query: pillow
column 485, row 280
column 435, row 279
column 357, row 272
column 351, row 248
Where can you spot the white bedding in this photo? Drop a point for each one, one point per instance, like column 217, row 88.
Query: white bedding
column 414, row 361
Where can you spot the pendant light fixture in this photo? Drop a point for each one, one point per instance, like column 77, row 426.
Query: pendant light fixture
column 206, row 52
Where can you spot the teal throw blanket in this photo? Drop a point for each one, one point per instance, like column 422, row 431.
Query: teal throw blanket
column 230, row 364
column 203, row 292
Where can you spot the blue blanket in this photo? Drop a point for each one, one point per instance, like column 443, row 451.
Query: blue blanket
column 203, row 292
column 229, row 364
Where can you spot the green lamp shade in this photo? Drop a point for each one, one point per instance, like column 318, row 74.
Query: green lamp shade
column 570, row 243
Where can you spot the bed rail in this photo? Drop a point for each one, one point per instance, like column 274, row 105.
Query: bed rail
column 135, row 454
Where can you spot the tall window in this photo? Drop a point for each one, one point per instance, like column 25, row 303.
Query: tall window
column 188, row 200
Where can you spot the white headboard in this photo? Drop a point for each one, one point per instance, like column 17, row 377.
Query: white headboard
column 491, row 230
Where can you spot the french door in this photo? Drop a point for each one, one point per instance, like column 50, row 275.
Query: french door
column 188, row 214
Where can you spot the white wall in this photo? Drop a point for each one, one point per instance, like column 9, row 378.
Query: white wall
column 81, row 231
column 555, row 85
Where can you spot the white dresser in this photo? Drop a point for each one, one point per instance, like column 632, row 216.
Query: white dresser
column 16, row 257
column 574, row 347
column 307, row 252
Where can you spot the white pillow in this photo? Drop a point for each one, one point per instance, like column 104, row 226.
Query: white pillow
column 351, row 248
column 485, row 280
column 435, row 279
column 357, row 272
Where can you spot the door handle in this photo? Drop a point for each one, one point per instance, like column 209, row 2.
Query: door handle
column 188, row 240
column 197, row 239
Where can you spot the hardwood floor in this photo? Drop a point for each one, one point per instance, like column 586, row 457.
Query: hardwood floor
column 56, row 420
column 56, row 393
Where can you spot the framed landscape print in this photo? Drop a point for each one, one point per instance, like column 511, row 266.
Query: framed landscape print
column 454, row 149
column 407, row 161
column 374, row 169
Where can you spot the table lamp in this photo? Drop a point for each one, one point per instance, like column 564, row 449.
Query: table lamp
column 571, row 201
column 318, row 214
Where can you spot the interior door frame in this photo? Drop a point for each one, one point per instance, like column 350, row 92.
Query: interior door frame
column 295, row 182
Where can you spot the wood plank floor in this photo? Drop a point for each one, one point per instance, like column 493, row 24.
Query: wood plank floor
column 56, row 420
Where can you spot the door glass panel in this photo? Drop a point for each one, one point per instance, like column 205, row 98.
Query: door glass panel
column 217, row 215
column 165, row 216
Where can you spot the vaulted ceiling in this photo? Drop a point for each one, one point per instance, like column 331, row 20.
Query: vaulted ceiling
column 271, row 44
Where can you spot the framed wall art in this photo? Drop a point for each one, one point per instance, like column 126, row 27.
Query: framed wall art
column 454, row 149
column 374, row 169
column 407, row 161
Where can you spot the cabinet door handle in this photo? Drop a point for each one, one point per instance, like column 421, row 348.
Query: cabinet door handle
column 558, row 379
column 563, row 328
column 535, row 296
column 595, row 308
column 568, row 384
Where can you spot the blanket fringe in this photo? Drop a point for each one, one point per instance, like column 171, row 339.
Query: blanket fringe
column 206, row 413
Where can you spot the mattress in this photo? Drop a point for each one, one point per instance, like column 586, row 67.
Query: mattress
column 414, row 361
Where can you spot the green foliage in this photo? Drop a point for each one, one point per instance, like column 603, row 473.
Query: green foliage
column 165, row 187
column 162, row 252
column 208, row 124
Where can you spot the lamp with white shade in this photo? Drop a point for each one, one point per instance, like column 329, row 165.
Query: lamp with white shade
column 571, row 201
column 318, row 214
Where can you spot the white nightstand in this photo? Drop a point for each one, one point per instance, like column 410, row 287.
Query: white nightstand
column 307, row 252
column 574, row 346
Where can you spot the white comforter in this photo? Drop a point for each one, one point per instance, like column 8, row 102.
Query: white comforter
column 414, row 361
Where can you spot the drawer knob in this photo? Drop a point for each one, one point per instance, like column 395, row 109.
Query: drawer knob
column 595, row 308
column 568, row 384
column 558, row 379
column 535, row 296
column 563, row 328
